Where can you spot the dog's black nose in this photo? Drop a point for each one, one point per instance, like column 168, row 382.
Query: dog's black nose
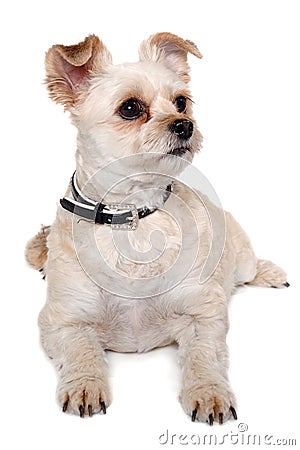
column 183, row 128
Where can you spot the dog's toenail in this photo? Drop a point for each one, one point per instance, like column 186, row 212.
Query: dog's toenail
column 103, row 407
column 233, row 411
column 65, row 406
column 81, row 411
column 194, row 414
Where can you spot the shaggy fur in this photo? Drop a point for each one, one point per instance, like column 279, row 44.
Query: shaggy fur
column 36, row 251
column 134, row 291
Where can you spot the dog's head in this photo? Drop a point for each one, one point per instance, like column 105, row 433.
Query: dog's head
column 127, row 109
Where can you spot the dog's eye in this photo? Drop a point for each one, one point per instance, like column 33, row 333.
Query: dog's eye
column 180, row 103
column 131, row 109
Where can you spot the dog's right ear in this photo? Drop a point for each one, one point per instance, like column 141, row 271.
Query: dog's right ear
column 170, row 50
column 70, row 68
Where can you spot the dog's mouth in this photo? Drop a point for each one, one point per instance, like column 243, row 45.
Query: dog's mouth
column 179, row 151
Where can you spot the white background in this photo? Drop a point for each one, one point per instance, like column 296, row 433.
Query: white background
column 246, row 90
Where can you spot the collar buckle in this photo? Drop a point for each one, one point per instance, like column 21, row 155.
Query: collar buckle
column 116, row 209
column 117, row 216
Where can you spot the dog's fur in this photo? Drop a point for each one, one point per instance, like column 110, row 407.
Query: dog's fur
column 80, row 319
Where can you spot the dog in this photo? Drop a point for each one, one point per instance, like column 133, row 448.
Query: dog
column 126, row 259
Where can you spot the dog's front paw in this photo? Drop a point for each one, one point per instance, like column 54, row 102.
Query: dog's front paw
column 84, row 396
column 208, row 402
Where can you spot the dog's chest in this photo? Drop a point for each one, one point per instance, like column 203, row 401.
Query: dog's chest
column 150, row 260
column 146, row 252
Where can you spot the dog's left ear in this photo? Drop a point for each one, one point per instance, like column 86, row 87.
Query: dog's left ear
column 70, row 68
column 171, row 50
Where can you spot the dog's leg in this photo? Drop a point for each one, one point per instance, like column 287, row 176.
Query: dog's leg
column 249, row 269
column 80, row 361
column 201, row 335
column 269, row 275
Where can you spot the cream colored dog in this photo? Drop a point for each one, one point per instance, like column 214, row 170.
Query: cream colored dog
column 136, row 259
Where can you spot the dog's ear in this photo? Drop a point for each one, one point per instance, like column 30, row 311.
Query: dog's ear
column 70, row 68
column 171, row 50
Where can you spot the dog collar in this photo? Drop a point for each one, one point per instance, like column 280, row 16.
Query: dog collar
column 118, row 216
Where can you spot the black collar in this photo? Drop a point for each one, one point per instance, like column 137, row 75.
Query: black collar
column 119, row 216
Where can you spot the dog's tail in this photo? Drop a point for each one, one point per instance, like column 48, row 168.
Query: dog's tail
column 36, row 251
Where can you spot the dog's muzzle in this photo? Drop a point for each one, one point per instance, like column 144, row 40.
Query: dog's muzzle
column 183, row 128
